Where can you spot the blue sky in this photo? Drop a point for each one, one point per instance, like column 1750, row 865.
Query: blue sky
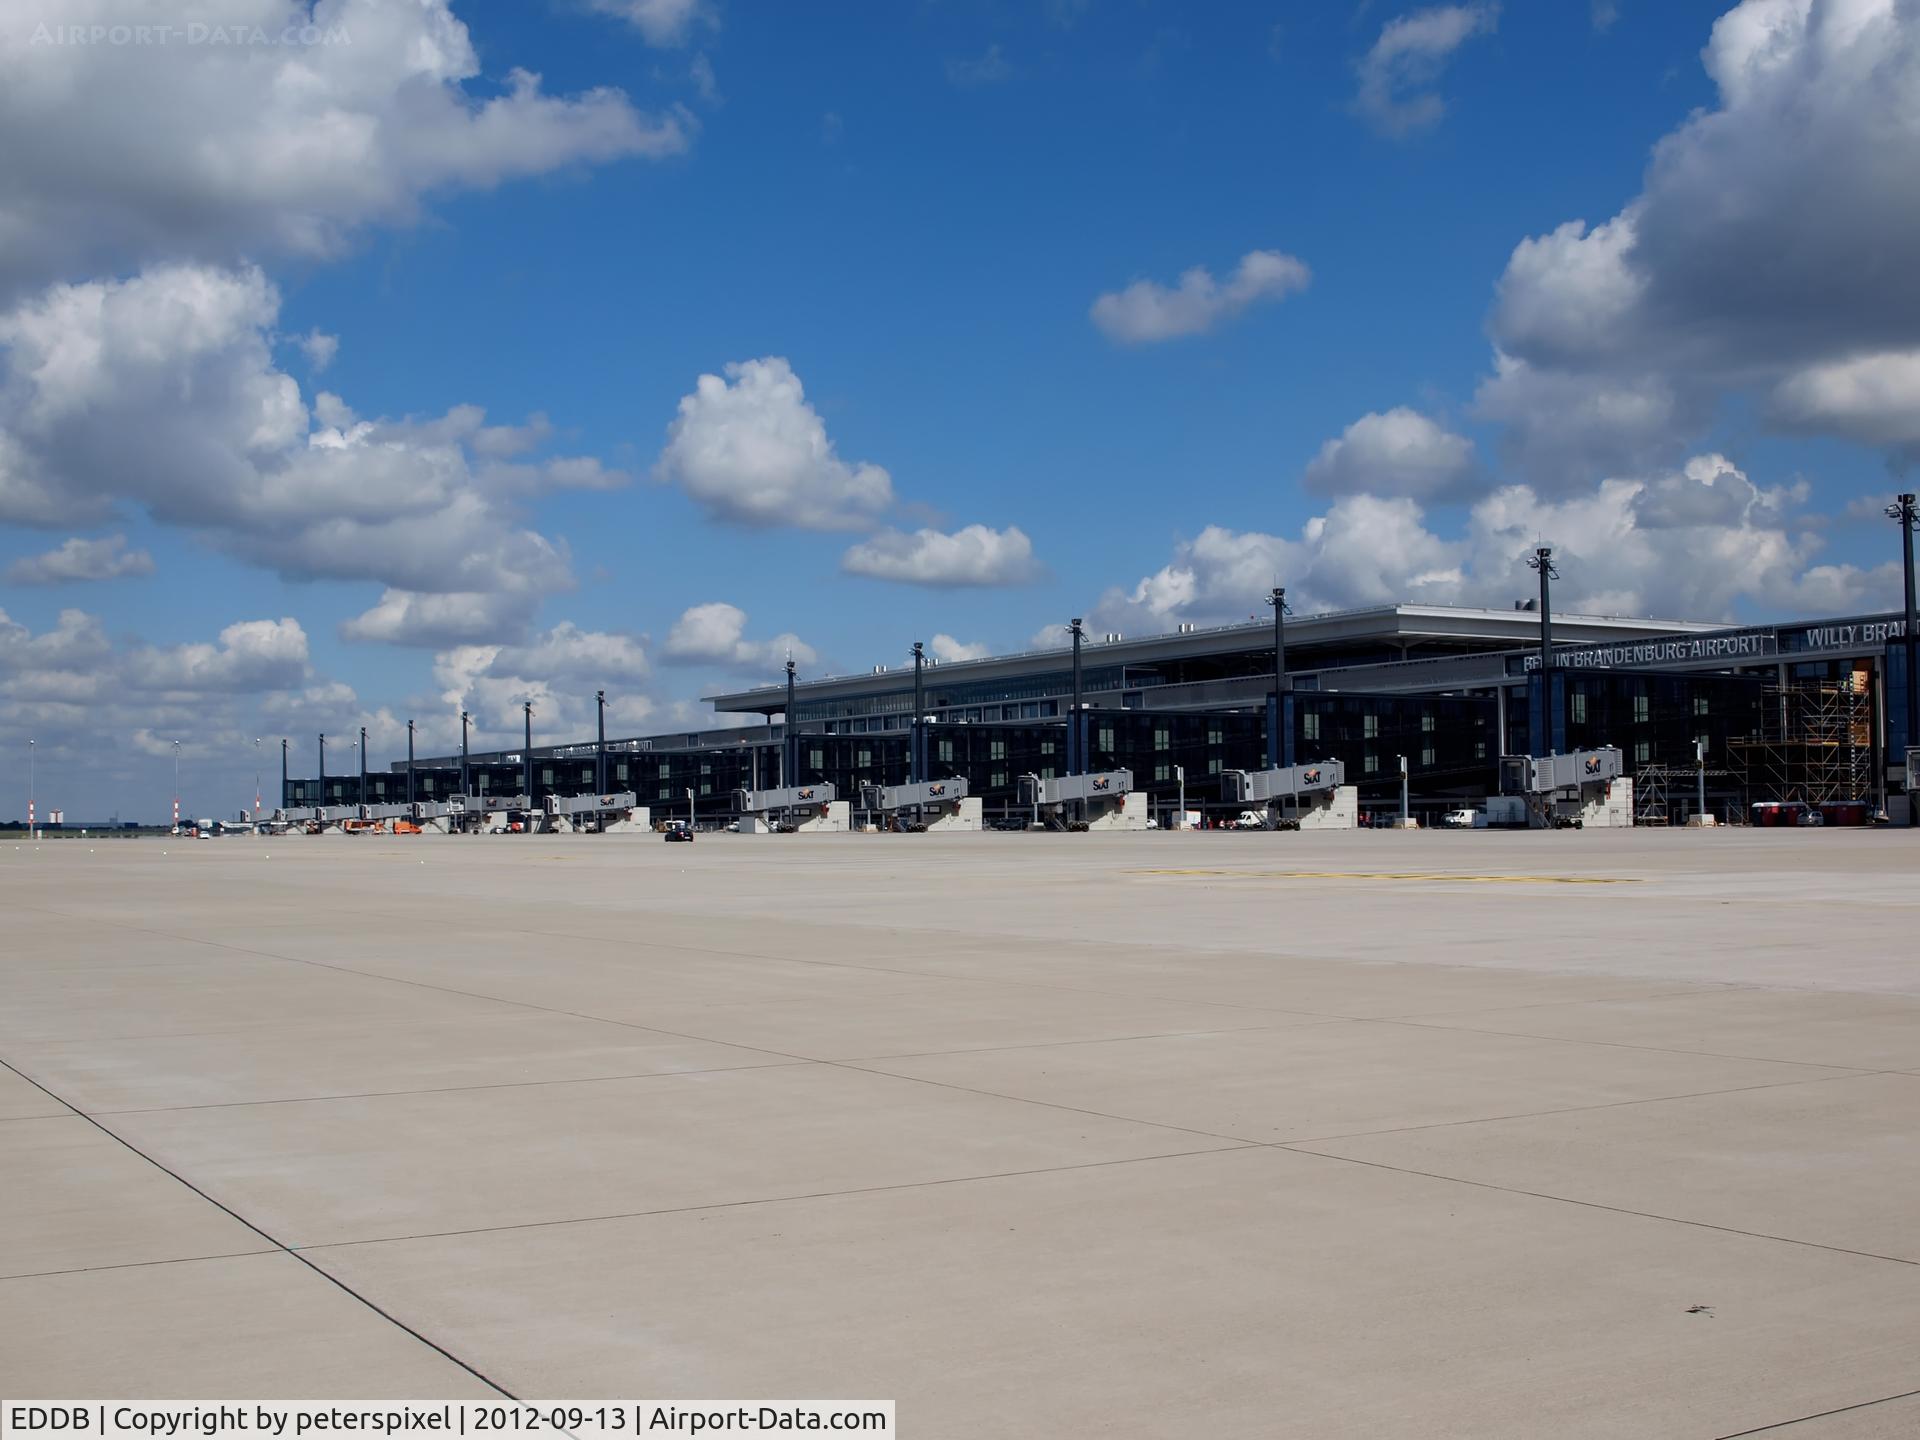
column 913, row 212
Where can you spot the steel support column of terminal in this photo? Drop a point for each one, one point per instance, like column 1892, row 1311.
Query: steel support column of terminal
column 526, row 758
column 1543, row 736
column 916, row 737
column 1076, row 758
column 1280, row 715
column 789, row 741
column 1903, row 514
column 600, row 754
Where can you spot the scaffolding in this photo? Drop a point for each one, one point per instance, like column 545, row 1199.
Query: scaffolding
column 1814, row 745
column 1659, row 789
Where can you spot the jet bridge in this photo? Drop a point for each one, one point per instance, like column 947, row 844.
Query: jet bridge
column 943, row 804
column 1314, row 796
column 330, row 818
column 805, row 807
column 563, row 814
column 1578, row 788
column 440, row 817
column 1105, row 800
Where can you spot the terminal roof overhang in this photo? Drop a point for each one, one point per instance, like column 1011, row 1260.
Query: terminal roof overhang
column 1410, row 624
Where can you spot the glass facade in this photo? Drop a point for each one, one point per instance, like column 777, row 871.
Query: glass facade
column 1653, row 716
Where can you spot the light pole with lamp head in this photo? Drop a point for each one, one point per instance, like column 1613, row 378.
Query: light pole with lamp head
column 466, row 777
column 1281, row 741
column 915, row 768
column 600, row 756
column 409, row 762
column 30, row 810
column 1076, row 760
column 526, row 758
column 176, row 783
column 1902, row 513
column 256, row 779
column 1542, row 562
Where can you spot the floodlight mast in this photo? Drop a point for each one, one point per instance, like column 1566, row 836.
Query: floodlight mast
column 526, row 758
column 1902, row 513
column 915, row 769
column 1278, row 743
column 1542, row 562
column 1076, row 762
column 600, row 756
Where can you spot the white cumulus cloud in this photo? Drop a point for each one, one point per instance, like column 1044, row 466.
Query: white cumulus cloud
column 971, row 555
column 81, row 559
column 945, row 647
column 228, row 152
column 715, row 634
column 1400, row 452
column 1688, row 543
column 159, row 393
column 749, row 448
column 1396, row 75
column 663, row 23
column 1767, row 253
column 1147, row 311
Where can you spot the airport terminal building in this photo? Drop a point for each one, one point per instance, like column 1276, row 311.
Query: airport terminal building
column 1809, row 711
